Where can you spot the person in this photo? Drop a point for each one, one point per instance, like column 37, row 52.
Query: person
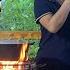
column 53, row 16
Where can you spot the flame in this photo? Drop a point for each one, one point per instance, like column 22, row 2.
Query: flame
column 8, row 68
column 23, row 54
column 8, row 65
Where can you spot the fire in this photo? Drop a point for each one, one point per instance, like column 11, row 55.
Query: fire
column 23, row 53
column 9, row 65
column 8, row 68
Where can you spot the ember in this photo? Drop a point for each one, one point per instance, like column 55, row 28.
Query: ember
column 11, row 65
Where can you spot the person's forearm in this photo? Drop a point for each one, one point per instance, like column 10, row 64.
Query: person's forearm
column 58, row 19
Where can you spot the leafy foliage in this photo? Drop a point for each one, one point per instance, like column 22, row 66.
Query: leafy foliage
column 17, row 15
column 33, row 49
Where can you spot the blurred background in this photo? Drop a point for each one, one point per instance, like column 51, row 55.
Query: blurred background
column 18, row 15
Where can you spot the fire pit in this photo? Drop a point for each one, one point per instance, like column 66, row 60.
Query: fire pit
column 13, row 55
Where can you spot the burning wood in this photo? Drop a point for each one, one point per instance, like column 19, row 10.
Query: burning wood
column 11, row 65
column 15, row 65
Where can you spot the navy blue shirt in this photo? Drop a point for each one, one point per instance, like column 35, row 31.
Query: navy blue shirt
column 53, row 45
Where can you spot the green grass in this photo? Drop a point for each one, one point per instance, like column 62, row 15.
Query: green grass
column 18, row 15
column 33, row 49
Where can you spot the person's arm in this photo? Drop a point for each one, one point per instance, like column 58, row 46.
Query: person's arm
column 54, row 22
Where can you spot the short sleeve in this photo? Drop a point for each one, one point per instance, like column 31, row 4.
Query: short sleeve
column 41, row 8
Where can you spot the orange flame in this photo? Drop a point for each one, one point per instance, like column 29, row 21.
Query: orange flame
column 22, row 57
column 23, row 53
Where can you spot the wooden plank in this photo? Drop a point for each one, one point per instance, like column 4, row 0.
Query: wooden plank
column 20, row 34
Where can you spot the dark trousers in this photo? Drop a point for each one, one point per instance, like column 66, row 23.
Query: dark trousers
column 51, row 64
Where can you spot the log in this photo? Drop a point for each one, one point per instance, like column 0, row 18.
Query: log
column 20, row 34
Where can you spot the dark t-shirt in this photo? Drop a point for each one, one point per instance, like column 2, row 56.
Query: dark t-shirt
column 53, row 45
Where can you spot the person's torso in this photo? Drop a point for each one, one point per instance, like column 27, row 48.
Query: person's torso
column 56, row 45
